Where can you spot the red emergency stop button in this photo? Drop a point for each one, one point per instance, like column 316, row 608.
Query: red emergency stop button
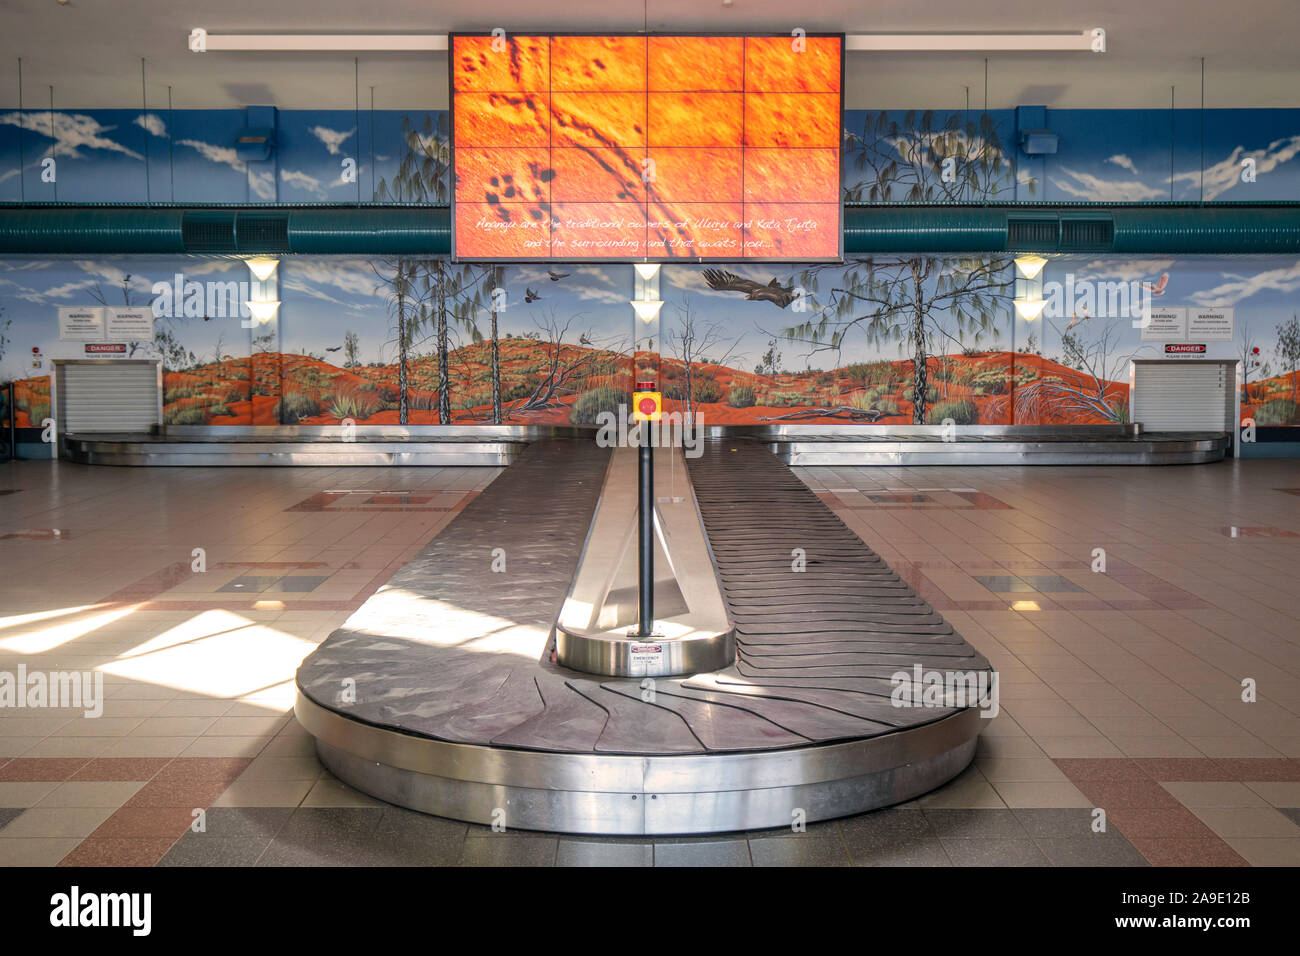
column 647, row 406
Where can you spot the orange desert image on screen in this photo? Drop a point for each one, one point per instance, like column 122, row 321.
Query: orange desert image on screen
column 629, row 147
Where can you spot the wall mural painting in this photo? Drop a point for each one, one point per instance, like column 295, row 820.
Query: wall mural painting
column 878, row 340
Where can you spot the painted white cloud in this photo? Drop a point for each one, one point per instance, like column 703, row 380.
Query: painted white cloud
column 352, row 277
column 1239, row 287
column 1093, row 188
column 332, row 138
column 1223, row 175
column 151, row 122
column 204, row 267
column 587, row 283
column 1124, row 162
column 1121, row 270
column 531, row 275
column 71, row 132
column 604, row 296
column 27, row 293
column 262, row 185
column 224, row 155
column 67, row 290
column 303, row 180
column 104, row 276
column 113, row 276
column 315, row 292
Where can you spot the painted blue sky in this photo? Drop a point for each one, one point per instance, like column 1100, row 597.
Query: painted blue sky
column 189, row 155
column 1153, row 156
column 1104, row 155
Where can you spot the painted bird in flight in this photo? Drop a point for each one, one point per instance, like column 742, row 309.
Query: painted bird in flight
column 556, row 276
column 530, row 295
column 780, row 296
column 1158, row 287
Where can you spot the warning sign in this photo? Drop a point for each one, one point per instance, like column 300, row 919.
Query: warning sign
column 1162, row 325
column 647, row 660
column 133, row 325
column 1214, row 325
column 81, row 324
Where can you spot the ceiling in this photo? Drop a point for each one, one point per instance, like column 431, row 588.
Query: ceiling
column 90, row 50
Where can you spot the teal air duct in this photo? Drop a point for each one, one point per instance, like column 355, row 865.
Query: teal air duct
column 391, row 230
column 907, row 228
column 262, row 230
column 1191, row 230
column 1080, row 228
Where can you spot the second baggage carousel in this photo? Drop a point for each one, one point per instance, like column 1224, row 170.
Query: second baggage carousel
column 441, row 693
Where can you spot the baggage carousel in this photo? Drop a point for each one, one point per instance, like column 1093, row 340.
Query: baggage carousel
column 496, row 445
column 441, row 693
column 909, row 445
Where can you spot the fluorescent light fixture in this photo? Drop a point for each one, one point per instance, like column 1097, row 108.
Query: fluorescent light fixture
column 1084, row 41
column 647, row 310
column 200, row 41
column 646, row 270
column 1030, row 266
column 263, row 311
column 262, row 267
column 1030, row 309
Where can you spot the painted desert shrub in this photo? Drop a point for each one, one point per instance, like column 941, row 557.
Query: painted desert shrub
column 590, row 404
column 741, row 396
column 1280, row 411
column 962, row 413
column 299, row 405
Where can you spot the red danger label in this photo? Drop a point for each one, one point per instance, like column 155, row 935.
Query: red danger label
column 100, row 348
column 1175, row 349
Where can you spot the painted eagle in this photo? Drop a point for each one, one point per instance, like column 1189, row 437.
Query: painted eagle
column 779, row 295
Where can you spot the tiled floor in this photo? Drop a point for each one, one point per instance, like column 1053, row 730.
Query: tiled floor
column 1123, row 738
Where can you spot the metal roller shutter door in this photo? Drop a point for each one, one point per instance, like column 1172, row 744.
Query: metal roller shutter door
column 1182, row 396
column 108, row 397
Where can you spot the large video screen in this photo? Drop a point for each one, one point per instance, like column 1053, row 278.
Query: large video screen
column 646, row 147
